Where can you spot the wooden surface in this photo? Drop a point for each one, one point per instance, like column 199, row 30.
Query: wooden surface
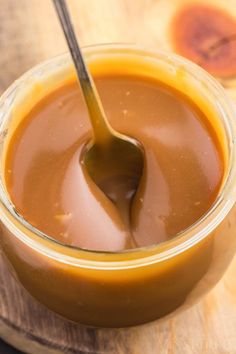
column 29, row 33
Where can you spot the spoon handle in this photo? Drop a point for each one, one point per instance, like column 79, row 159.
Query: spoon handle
column 101, row 127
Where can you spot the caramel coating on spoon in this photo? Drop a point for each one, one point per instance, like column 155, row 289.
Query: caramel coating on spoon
column 207, row 36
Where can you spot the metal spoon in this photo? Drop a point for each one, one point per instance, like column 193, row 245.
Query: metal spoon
column 114, row 161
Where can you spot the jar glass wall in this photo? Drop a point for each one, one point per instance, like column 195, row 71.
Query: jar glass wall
column 134, row 286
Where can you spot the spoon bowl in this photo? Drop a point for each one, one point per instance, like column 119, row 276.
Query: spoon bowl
column 116, row 168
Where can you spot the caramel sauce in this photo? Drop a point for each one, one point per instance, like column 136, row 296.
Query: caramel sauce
column 53, row 191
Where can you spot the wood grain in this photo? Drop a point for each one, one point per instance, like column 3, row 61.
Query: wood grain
column 207, row 328
column 29, row 33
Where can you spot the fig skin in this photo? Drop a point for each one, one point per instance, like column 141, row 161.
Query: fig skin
column 206, row 35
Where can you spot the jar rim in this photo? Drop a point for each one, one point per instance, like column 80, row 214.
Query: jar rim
column 138, row 256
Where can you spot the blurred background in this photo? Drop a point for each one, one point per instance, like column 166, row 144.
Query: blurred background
column 203, row 31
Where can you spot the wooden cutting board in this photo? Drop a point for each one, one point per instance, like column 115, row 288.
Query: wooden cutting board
column 29, row 33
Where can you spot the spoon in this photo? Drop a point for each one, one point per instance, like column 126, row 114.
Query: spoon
column 114, row 161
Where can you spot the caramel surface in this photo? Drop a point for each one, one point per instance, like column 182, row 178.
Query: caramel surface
column 51, row 189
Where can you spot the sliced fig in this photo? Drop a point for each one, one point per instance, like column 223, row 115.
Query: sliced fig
column 206, row 35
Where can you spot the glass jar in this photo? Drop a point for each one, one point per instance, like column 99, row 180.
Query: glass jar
column 135, row 286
